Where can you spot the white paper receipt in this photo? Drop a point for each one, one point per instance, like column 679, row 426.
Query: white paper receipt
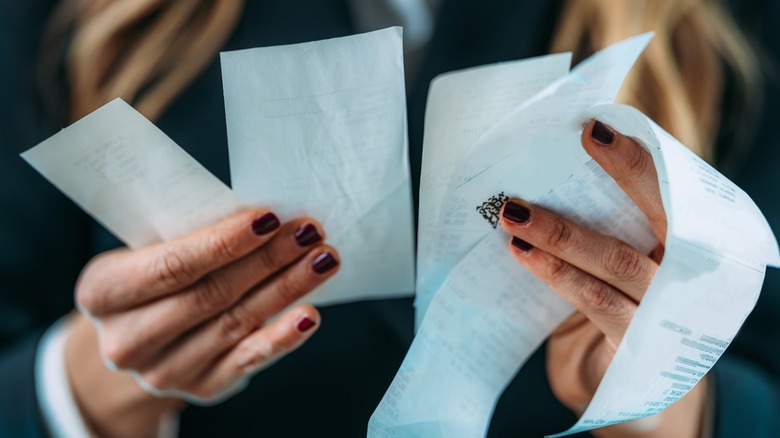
column 319, row 129
column 483, row 315
column 131, row 177
column 315, row 129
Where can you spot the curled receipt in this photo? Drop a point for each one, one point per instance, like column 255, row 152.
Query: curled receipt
column 487, row 314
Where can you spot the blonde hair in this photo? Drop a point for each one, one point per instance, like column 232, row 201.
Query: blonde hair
column 679, row 80
column 147, row 51
column 144, row 51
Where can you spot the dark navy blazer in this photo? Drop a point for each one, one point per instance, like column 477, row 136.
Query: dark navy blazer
column 333, row 383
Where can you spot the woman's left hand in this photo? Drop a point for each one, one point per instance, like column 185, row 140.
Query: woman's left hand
column 603, row 278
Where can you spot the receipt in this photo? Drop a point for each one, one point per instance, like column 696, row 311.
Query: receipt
column 595, row 81
column 461, row 107
column 131, row 177
column 314, row 129
column 319, row 129
column 717, row 248
column 487, row 314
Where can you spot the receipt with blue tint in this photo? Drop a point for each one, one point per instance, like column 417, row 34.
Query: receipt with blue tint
column 459, row 229
column 461, row 107
column 319, row 129
column 487, row 315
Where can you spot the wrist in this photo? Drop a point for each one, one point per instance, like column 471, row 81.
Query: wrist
column 111, row 402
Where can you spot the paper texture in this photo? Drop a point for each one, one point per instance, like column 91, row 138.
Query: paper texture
column 132, row 178
column 717, row 248
column 315, row 129
column 487, row 314
column 459, row 228
column 461, row 107
column 319, row 129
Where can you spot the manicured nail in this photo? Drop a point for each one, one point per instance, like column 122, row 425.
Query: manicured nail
column 516, row 213
column 305, row 324
column 307, row 235
column 521, row 244
column 265, row 224
column 324, row 263
column 602, row 134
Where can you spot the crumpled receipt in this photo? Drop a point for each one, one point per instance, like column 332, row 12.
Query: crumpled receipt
column 315, row 129
column 482, row 315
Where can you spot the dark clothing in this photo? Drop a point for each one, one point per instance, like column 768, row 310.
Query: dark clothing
column 45, row 239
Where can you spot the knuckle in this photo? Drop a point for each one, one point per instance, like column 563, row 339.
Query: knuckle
column 118, row 351
column 269, row 259
column 169, row 269
column 257, row 356
column 222, row 247
column 90, row 297
column 212, row 293
column 600, row 298
column 158, row 379
column 284, row 345
column 556, row 270
column 624, row 263
column 639, row 162
column 288, row 288
column 235, row 324
column 90, row 293
column 560, row 234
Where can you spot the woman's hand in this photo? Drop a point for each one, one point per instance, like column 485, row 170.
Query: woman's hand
column 603, row 278
column 194, row 317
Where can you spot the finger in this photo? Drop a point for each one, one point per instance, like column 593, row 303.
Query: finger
column 172, row 316
column 192, row 353
column 631, row 167
column 609, row 259
column 122, row 279
column 657, row 253
column 609, row 309
column 255, row 352
column 301, row 278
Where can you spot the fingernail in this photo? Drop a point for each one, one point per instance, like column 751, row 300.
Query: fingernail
column 307, row 235
column 521, row 244
column 602, row 134
column 516, row 213
column 265, row 224
column 324, row 263
column 305, row 324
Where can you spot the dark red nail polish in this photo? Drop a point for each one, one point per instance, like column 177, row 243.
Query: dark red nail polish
column 305, row 324
column 324, row 263
column 307, row 235
column 521, row 244
column 516, row 213
column 602, row 134
column 265, row 224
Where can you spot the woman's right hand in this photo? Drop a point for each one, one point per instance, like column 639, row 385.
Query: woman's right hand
column 190, row 317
